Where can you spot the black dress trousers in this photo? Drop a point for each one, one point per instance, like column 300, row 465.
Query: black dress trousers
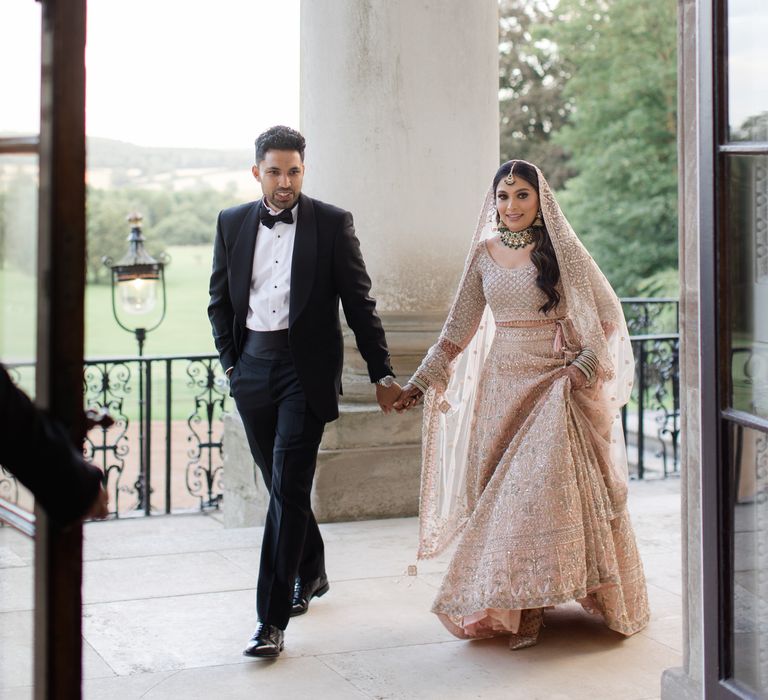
column 284, row 437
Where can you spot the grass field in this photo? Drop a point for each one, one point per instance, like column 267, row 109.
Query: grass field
column 184, row 330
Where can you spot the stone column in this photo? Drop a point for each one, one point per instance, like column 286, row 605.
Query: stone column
column 399, row 105
column 686, row 683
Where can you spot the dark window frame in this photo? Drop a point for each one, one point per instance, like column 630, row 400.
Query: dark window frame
column 715, row 153
column 60, row 147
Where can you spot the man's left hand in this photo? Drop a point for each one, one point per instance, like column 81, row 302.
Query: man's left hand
column 387, row 395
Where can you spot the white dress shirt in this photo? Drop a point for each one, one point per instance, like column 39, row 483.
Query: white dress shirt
column 269, row 301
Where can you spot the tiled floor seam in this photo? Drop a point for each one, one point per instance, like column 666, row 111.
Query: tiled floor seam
column 656, row 641
column 168, row 597
column 159, row 682
column 90, row 560
column 344, row 678
column 386, row 648
column 253, row 571
column 96, row 652
column 223, row 590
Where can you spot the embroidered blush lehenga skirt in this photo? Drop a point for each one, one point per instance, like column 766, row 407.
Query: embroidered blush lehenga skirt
column 548, row 522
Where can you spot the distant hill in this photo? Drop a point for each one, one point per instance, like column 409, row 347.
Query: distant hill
column 116, row 164
column 109, row 153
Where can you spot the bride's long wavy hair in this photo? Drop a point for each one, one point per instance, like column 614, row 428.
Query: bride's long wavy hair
column 543, row 254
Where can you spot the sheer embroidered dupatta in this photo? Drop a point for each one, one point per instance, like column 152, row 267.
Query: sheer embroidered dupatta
column 598, row 323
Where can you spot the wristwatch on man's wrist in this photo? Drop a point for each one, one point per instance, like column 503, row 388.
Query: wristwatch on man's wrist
column 386, row 382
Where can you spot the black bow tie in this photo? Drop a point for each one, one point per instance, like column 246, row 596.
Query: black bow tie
column 269, row 220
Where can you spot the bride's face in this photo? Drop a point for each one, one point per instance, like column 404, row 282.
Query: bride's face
column 517, row 204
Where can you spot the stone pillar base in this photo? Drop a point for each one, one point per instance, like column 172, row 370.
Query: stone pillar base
column 245, row 498
column 676, row 684
column 369, row 466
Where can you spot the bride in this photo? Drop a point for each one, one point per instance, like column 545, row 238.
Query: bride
column 523, row 457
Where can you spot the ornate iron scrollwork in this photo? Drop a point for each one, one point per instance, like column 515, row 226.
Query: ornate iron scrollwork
column 650, row 316
column 663, row 375
column 107, row 385
column 9, row 487
column 204, row 470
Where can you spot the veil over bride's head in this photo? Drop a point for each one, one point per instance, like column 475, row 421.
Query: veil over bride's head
column 597, row 319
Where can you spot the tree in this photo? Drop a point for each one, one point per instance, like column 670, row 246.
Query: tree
column 187, row 217
column 18, row 222
column 183, row 227
column 532, row 76
column 621, row 133
column 107, row 229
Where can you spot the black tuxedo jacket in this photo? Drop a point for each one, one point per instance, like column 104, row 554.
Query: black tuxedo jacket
column 327, row 267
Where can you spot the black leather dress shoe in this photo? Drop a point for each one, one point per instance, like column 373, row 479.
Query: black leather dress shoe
column 267, row 642
column 304, row 592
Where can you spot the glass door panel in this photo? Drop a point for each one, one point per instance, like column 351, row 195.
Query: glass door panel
column 18, row 287
column 17, row 585
column 20, row 77
column 750, row 558
column 744, row 239
column 747, row 58
column 20, row 38
column 746, row 248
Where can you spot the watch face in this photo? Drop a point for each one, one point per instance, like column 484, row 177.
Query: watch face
column 386, row 381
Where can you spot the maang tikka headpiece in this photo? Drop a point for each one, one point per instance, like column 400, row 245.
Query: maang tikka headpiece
column 510, row 178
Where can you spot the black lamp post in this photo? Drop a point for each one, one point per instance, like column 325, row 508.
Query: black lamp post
column 138, row 286
column 138, row 280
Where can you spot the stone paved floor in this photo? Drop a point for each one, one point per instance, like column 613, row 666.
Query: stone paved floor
column 169, row 605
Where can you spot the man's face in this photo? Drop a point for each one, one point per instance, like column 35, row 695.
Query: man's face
column 280, row 174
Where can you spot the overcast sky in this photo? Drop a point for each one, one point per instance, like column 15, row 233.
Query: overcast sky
column 166, row 72
column 199, row 73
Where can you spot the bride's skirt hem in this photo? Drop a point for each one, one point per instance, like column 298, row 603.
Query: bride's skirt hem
column 504, row 619
column 546, row 522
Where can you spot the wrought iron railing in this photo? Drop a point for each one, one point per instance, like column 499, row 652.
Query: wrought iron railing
column 651, row 419
column 173, row 459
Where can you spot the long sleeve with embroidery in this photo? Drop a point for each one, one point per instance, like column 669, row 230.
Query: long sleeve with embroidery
column 461, row 324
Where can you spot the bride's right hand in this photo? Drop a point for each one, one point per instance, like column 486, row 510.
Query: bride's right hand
column 409, row 397
column 577, row 377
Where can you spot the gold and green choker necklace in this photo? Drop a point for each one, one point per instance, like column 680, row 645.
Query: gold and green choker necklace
column 517, row 239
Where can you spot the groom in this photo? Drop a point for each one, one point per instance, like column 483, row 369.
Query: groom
column 280, row 267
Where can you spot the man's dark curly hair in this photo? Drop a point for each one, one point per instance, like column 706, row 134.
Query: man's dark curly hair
column 279, row 138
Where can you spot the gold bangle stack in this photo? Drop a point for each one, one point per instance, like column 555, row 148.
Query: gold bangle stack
column 587, row 362
column 419, row 384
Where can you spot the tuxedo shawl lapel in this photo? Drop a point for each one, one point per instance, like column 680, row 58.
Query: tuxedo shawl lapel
column 241, row 262
column 304, row 258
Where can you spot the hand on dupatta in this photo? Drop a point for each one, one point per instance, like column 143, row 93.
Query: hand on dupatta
column 577, row 377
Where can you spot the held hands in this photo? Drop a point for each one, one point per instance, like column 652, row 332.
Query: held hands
column 399, row 399
column 387, row 395
column 409, row 397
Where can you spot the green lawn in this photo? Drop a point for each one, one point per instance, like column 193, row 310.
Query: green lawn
column 184, row 330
